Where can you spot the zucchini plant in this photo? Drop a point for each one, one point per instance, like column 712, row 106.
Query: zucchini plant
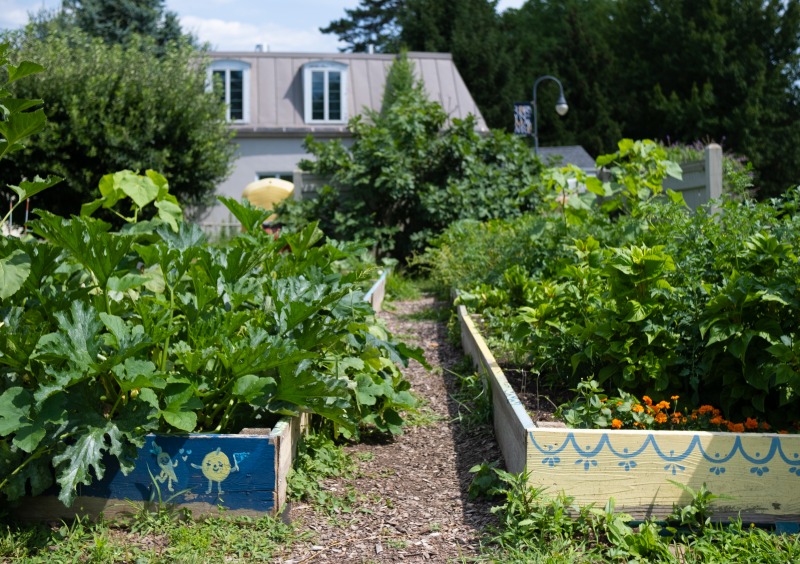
column 107, row 335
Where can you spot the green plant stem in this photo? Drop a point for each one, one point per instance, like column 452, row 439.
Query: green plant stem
column 165, row 350
column 36, row 454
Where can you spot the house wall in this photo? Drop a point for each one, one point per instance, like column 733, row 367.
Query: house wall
column 255, row 156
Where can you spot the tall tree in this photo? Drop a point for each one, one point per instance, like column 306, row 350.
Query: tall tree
column 114, row 107
column 724, row 70
column 567, row 40
column 116, row 21
column 470, row 30
column 373, row 24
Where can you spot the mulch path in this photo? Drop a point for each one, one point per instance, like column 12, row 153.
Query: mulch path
column 410, row 502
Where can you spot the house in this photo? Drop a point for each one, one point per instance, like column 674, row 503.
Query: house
column 275, row 100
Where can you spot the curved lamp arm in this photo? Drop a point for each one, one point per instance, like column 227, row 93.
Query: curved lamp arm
column 561, row 107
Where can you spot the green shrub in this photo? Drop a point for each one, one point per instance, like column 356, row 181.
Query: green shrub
column 641, row 295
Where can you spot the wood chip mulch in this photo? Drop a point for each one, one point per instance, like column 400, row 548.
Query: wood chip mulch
column 408, row 500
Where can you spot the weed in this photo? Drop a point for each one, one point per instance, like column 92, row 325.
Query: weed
column 474, row 400
column 396, row 543
column 697, row 514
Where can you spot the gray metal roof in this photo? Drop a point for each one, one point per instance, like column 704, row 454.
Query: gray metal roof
column 569, row 154
column 276, row 88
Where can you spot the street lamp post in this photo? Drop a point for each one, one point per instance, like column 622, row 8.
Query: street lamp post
column 561, row 107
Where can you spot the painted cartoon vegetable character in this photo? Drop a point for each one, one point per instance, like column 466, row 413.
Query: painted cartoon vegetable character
column 216, row 467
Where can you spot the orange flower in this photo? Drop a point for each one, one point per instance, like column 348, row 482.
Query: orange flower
column 637, row 408
column 661, row 418
column 735, row 427
column 783, row 432
column 647, row 400
column 705, row 409
column 675, row 398
column 765, row 426
column 616, row 424
column 663, row 405
column 718, row 420
column 751, row 423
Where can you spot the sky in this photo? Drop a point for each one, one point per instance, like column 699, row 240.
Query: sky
column 239, row 25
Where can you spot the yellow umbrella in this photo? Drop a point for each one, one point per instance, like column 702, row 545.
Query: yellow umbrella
column 267, row 192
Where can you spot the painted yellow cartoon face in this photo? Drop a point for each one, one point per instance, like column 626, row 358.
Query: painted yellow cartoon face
column 216, row 466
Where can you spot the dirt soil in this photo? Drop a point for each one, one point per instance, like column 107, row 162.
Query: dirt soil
column 410, row 502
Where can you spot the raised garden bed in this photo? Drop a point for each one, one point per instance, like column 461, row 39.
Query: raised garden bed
column 756, row 473
column 207, row 474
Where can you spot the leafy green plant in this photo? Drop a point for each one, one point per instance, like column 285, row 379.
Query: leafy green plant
column 116, row 334
column 474, row 399
column 697, row 514
column 633, row 291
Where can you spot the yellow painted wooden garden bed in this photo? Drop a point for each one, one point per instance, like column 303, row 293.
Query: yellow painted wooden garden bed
column 758, row 474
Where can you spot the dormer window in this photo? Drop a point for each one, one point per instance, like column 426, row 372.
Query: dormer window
column 325, row 92
column 231, row 80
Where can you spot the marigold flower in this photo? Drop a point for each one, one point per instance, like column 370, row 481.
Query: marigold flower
column 661, row 418
column 663, row 405
column 637, row 408
column 616, row 424
column 751, row 423
column 765, row 426
column 647, row 400
column 705, row 409
column 675, row 398
column 735, row 427
column 717, row 420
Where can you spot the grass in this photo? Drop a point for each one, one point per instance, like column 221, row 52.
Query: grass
column 534, row 527
column 218, row 539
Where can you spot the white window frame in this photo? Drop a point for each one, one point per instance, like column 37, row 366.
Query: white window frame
column 326, row 67
column 227, row 66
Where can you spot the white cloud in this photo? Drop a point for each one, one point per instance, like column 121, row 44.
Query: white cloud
column 12, row 19
column 226, row 35
column 503, row 5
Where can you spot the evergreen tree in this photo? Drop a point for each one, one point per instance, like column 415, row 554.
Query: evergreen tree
column 470, row 31
column 722, row 70
column 372, row 24
column 115, row 21
column 567, row 40
column 399, row 81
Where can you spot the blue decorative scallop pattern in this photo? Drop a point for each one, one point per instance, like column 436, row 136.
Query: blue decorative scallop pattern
column 587, row 457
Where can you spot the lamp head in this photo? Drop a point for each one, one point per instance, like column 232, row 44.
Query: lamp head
column 561, row 106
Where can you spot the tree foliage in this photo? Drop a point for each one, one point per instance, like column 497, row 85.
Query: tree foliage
column 674, row 70
column 115, row 107
column 116, row 21
column 371, row 24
